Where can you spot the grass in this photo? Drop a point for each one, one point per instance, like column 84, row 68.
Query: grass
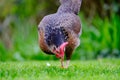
column 78, row 70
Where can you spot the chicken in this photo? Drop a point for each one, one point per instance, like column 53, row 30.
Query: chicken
column 59, row 32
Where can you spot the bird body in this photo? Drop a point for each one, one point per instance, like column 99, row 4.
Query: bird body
column 59, row 32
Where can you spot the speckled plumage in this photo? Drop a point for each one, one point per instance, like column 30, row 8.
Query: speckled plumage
column 63, row 26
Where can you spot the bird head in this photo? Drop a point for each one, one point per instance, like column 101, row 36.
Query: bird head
column 59, row 52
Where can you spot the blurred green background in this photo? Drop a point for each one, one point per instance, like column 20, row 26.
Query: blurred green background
column 18, row 29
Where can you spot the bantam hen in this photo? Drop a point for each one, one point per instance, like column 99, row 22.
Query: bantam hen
column 59, row 32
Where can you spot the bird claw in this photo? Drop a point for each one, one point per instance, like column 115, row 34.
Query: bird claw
column 67, row 64
column 64, row 67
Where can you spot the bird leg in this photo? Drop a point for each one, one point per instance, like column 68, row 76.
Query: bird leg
column 62, row 49
column 62, row 62
column 67, row 63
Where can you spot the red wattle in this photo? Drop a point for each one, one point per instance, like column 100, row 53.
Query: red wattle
column 62, row 46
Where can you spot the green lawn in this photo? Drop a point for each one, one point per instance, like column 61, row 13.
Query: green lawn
column 78, row 70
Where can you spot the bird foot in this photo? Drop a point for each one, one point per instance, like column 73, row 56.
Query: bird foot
column 67, row 63
column 64, row 67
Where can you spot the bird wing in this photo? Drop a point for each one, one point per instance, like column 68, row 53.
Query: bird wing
column 71, row 23
column 58, row 29
column 41, row 35
column 72, row 26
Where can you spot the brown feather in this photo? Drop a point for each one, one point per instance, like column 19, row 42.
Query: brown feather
column 42, row 43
